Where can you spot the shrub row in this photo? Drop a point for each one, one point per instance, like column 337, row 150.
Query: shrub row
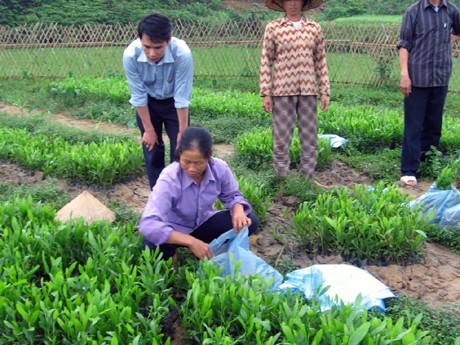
column 102, row 163
column 254, row 148
column 72, row 283
column 365, row 225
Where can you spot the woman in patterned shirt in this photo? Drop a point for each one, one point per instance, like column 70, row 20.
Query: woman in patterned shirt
column 293, row 70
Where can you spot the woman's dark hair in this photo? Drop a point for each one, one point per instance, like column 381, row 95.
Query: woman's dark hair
column 156, row 26
column 195, row 138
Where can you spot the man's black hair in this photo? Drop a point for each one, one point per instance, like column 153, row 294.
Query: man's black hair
column 156, row 26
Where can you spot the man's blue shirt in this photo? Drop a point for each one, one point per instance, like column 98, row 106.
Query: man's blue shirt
column 171, row 77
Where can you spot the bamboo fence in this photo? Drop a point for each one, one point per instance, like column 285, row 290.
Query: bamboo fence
column 357, row 53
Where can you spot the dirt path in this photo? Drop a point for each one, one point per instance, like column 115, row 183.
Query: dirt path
column 436, row 280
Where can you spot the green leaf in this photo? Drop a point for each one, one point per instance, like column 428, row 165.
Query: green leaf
column 359, row 334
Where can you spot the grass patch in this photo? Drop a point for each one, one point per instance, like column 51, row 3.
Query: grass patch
column 443, row 324
column 363, row 19
column 47, row 193
column 383, row 165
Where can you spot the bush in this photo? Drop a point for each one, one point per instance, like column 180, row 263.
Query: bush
column 364, row 225
column 255, row 148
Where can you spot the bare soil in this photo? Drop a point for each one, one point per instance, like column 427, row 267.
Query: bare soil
column 436, row 280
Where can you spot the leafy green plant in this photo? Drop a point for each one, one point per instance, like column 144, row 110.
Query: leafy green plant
column 255, row 148
column 364, row 225
column 241, row 310
column 444, row 180
column 443, row 324
column 296, row 185
column 447, row 236
column 368, row 129
column 256, row 194
column 433, row 163
column 100, row 163
column 84, row 88
column 67, row 283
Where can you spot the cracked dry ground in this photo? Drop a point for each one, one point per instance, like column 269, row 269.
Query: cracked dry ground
column 436, row 280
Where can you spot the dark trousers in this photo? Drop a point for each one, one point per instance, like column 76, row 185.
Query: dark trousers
column 214, row 227
column 422, row 125
column 162, row 112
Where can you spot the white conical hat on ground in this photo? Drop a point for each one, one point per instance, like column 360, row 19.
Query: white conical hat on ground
column 85, row 206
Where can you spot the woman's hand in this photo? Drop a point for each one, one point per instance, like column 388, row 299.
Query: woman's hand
column 200, row 249
column 267, row 104
column 324, row 102
column 239, row 218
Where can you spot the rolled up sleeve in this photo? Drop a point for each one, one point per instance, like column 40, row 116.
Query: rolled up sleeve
column 183, row 80
column 135, row 83
column 406, row 33
column 456, row 23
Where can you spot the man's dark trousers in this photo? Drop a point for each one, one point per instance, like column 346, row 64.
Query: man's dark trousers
column 161, row 112
column 422, row 125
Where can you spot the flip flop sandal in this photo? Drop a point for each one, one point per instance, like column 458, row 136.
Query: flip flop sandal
column 409, row 180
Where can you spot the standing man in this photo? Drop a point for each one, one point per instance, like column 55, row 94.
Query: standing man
column 159, row 69
column 428, row 29
column 293, row 67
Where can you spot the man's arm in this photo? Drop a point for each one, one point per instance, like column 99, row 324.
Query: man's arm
column 182, row 116
column 406, row 84
column 183, row 88
column 139, row 96
column 149, row 138
column 453, row 39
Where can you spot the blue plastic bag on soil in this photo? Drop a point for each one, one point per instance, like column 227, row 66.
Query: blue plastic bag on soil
column 345, row 284
column 334, row 140
column 443, row 204
column 230, row 247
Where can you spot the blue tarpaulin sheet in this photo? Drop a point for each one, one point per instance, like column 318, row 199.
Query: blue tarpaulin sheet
column 442, row 205
column 345, row 283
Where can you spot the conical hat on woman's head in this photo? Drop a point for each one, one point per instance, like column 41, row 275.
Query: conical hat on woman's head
column 277, row 5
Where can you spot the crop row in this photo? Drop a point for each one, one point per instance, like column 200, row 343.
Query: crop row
column 368, row 129
column 364, row 225
column 102, row 163
column 73, row 283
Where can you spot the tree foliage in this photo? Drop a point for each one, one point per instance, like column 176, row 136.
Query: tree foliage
column 348, row 8
column 344, row 8
column 68, row 12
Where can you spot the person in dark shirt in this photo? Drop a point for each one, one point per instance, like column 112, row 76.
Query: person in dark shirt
column 428, row 29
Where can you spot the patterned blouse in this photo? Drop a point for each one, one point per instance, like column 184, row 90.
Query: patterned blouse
column 293, row 60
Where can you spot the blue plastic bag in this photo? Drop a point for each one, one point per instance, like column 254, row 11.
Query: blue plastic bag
column 334, row 140
column 345, row 284
column 443, row 204
column 230, row 247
